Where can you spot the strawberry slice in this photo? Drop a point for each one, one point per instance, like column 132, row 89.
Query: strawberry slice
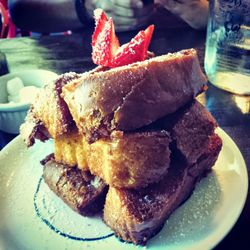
column 100, row 21
column 106, row 47
column 148, row 33
column 135, row 50
column 130, row 52
column 105, row 44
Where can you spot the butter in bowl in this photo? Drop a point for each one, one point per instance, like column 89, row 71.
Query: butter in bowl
column 17, row 92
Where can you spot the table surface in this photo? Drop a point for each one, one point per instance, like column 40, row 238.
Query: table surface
column 73, row 53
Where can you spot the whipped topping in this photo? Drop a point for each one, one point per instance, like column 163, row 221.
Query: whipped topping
column 18, row 93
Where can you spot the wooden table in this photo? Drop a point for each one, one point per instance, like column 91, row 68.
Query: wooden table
column 72, row 53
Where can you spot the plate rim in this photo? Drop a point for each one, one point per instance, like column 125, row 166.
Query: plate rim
column 237, row 152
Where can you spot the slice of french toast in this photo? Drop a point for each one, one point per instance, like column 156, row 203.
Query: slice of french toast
column 49, row 115
column 132, row 96
column 137, row 215
column 190, row 128
column 80, row 190
column 131, row 160
column 125, row 160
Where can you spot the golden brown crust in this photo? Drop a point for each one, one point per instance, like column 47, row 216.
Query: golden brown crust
column 132, row 96
column 49, row 115
column 137, row 215
column 33, row 129
column 82, row 191
column 192, row 130
column 51, row 109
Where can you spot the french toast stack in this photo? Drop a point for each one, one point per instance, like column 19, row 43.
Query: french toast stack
column 130, row 141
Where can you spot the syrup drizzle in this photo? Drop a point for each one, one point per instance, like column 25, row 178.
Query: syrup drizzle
column 56, row 230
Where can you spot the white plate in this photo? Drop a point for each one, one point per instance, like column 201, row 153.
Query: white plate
column 32, row 217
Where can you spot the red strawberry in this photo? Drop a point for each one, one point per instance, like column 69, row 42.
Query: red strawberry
column 135, row 50
column 105, row 44
column 106, row 48
column 100, row 20
column 130, row 52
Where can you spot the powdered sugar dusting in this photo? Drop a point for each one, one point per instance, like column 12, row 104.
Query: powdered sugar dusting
column 196, row 215
column 96, row 182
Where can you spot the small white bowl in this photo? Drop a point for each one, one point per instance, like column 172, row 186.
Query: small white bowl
column 12, row 114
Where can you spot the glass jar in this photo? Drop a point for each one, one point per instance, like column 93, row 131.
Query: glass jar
column 227, row 57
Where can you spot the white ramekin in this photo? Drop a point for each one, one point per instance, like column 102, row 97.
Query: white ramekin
column 12, row 115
